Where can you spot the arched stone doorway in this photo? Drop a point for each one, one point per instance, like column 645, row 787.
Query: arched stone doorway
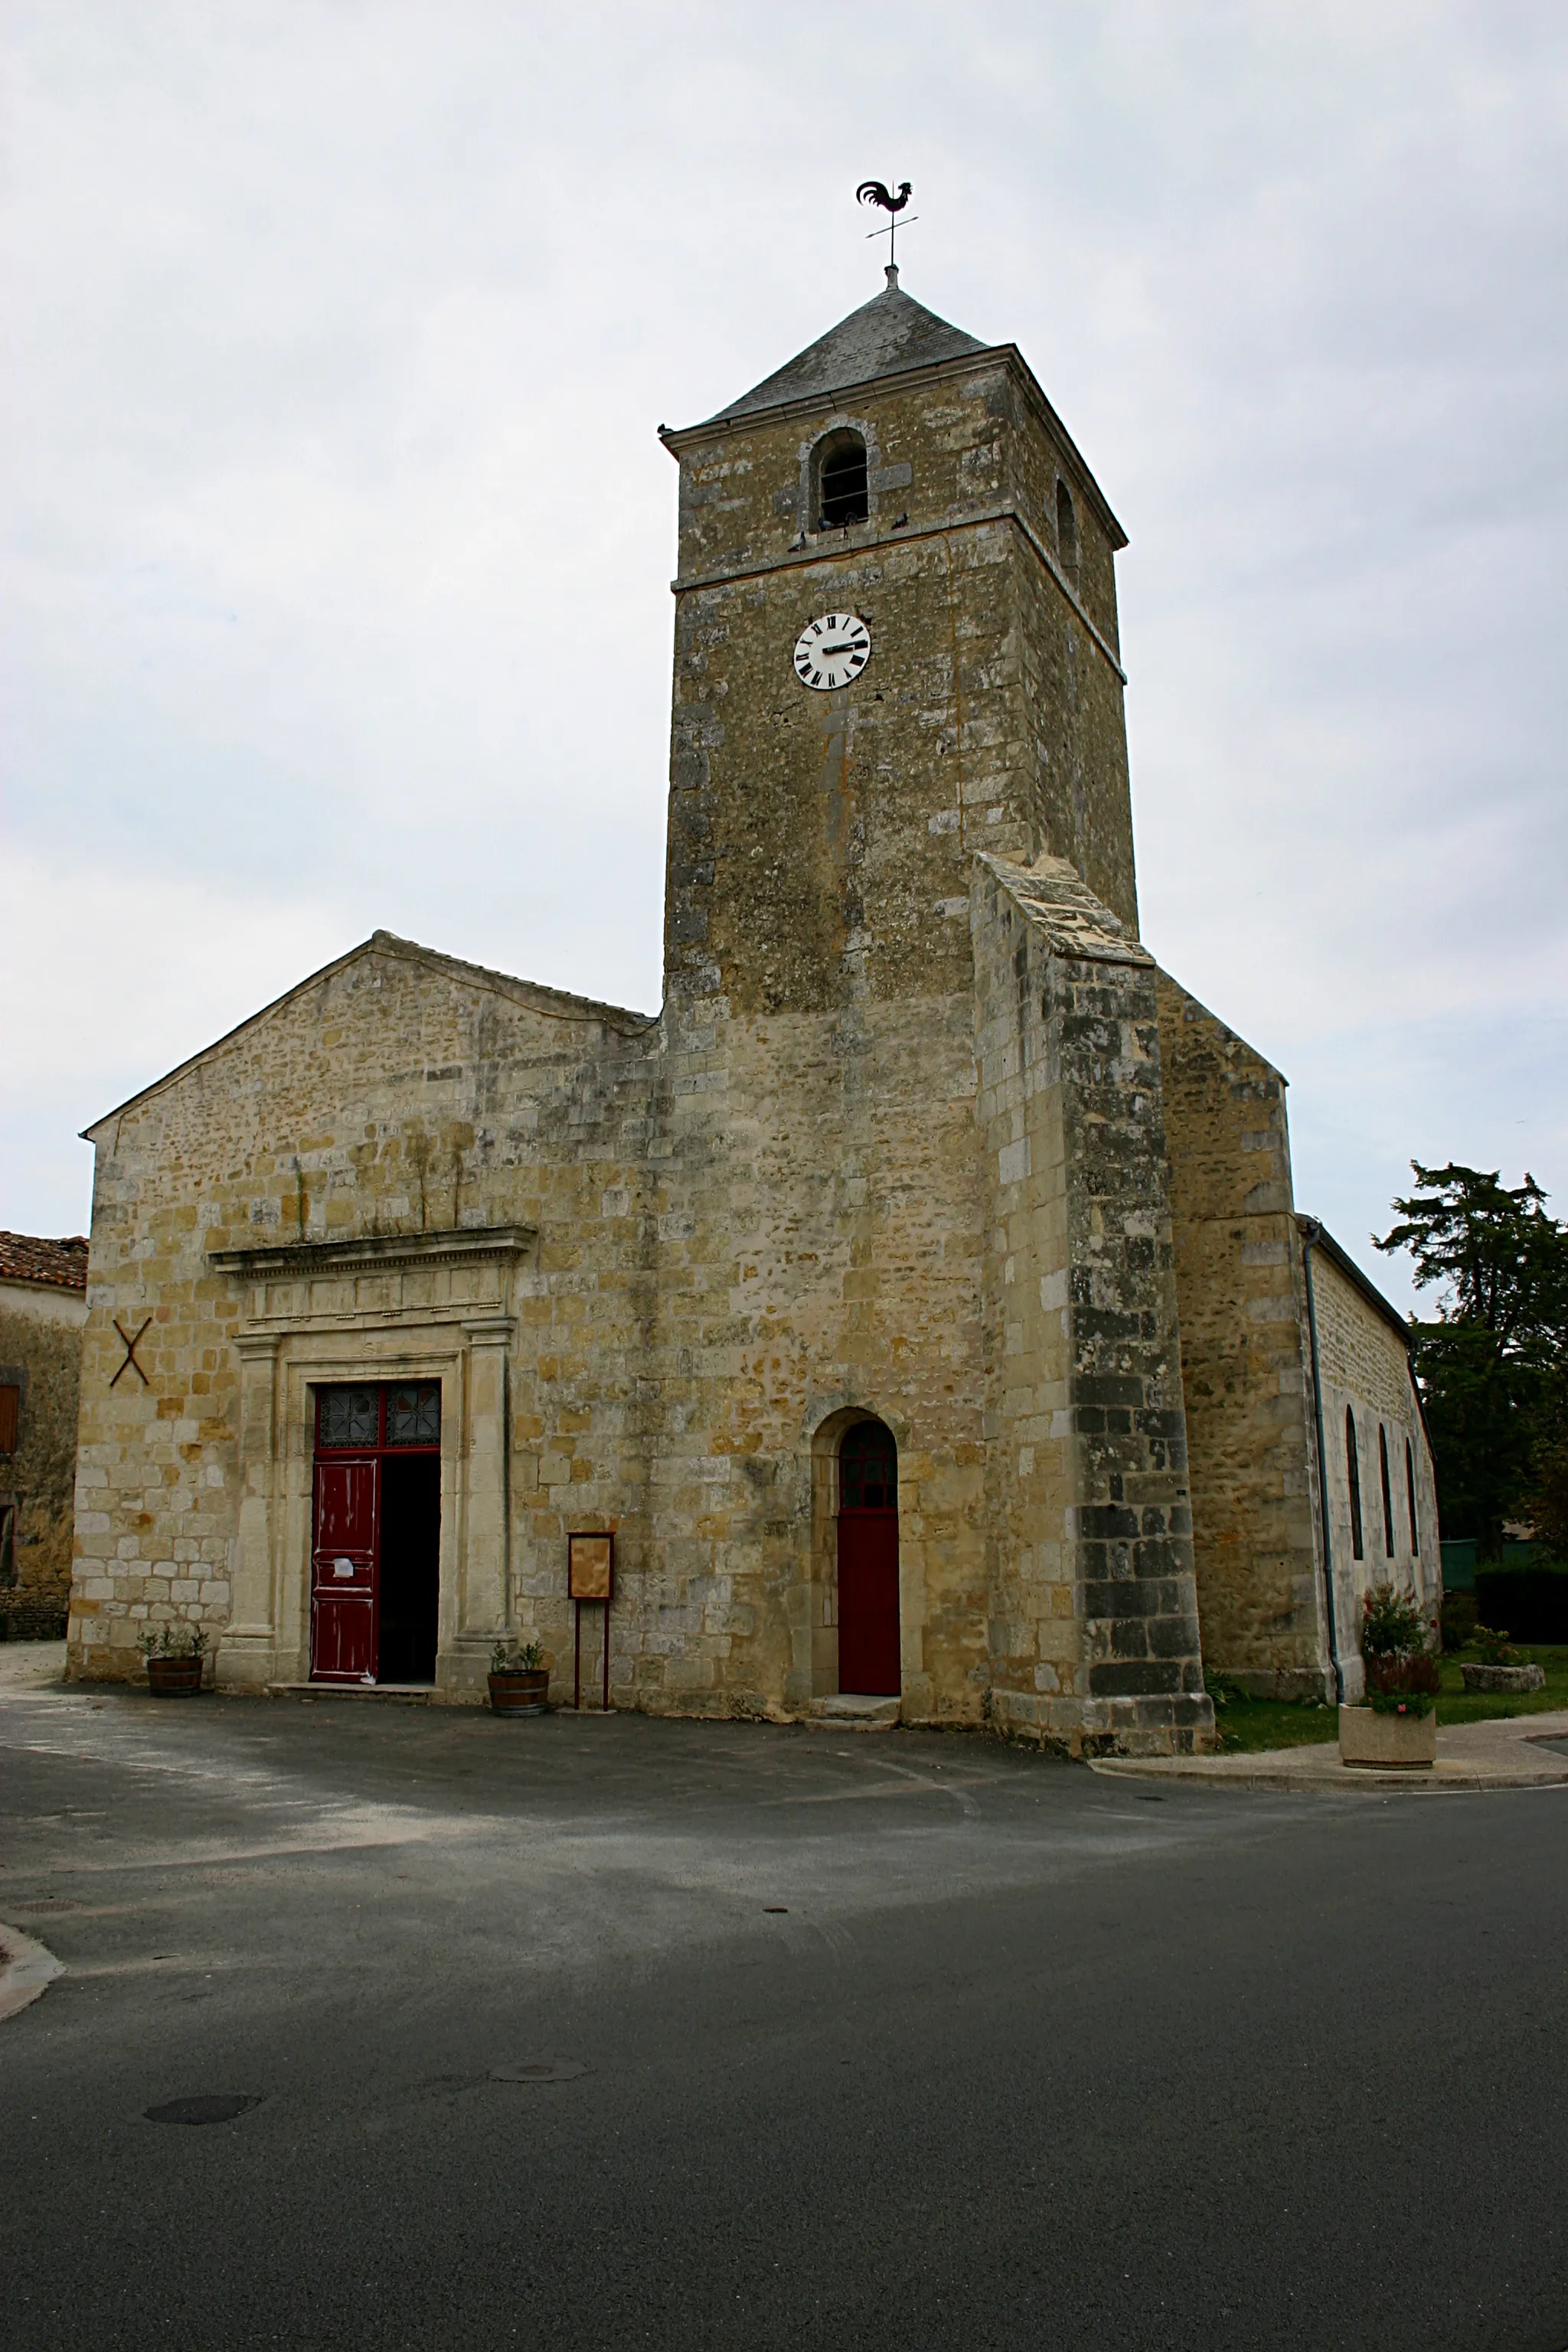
column 868, row 1661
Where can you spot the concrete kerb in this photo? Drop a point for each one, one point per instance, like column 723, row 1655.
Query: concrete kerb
column 1515, row 1752
column 27, row 1969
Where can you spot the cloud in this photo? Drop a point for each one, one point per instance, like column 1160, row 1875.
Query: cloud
column 340, row 536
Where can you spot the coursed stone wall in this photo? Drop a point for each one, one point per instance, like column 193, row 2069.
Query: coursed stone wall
column 1095, row 1630
column 40, row 1356
column 1364, row 1369
column 738, row 1231
column 1245, row 1356
column 820, row 845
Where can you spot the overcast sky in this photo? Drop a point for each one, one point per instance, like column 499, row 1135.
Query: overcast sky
column 338, row 538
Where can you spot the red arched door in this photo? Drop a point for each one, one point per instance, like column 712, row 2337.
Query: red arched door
column 869, row 1561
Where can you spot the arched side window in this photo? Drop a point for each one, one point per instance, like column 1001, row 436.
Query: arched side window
column 1352, row 1472
column 868, row 1468
column 841, row 485
column 1067, row 531
column 1410, row 1499
column 1387, row 1497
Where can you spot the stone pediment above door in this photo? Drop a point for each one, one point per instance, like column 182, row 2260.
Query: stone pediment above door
column 376, row 1279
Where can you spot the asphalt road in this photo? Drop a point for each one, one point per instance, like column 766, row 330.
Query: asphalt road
column 1027, row 2058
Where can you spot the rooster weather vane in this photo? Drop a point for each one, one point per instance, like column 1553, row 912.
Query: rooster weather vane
column 875, row 191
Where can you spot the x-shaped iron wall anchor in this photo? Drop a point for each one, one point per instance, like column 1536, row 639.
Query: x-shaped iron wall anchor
column 131, row 1345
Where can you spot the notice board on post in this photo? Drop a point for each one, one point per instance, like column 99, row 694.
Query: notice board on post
column 590, row 1567
column 590, row 1576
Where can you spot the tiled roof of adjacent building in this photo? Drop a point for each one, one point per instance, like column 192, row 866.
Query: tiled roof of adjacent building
column 887, row 336
column 62, row 1265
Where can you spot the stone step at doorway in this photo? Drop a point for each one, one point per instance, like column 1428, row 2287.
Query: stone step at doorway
column 404, row 1693
column 850, row 1711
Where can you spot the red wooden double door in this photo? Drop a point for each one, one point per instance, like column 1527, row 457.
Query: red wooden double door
column 868, row 1661
column 376, row 1553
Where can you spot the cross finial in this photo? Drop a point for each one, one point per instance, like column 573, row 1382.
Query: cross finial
column 873, row 192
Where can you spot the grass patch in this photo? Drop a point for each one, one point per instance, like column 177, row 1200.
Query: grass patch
column 1456, row 1707
column 1247, row 1726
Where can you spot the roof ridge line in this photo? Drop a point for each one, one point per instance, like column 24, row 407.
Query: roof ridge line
column 384, row 943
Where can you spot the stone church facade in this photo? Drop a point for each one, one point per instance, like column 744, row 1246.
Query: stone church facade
column 918, row 1299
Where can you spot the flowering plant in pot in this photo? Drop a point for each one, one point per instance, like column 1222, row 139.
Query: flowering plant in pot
column 1500, row 1667
column 1397, row 1727
column 1402, row 1685
column 174, row 1654
column 519, row 1679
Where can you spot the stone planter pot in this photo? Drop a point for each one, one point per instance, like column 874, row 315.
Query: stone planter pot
column 1503, row 1678
column 175, row 1677
column 519, row 1694
column 1389, row 1743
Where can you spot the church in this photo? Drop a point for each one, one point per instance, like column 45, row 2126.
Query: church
column 917, row 1302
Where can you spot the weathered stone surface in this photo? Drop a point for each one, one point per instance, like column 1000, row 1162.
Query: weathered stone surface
column 1388, row 1742
column 1244, row 1372
column 1094, row 1627
column 1366, row 1381
column 40, row 1359
column 1502, row 1678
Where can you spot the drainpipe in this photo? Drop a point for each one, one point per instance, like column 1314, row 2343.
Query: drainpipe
column 1309, row 1228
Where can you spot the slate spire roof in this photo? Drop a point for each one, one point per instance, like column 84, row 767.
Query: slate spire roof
column 887, row 336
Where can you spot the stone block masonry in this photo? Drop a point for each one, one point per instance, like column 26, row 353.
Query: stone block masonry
column 1245, row 1356
column 42, row 1309
column 1094, row 1633
column 1265, row 1561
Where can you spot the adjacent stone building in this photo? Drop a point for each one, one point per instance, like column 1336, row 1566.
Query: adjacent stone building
column 917, row 1298
column 43, row 1307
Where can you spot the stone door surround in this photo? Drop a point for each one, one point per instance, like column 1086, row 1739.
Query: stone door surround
column 404, row 1307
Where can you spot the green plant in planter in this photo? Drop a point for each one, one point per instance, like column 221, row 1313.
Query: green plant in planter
column 1392, row 1625
column 1402, row 1685
column 527, row 1660
column 175, row 1640
column 1402, row 1675
column 1494, row 1649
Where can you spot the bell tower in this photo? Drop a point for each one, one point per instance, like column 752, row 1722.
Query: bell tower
column 895, row 645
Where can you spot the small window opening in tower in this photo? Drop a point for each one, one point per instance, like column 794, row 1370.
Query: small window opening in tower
column 1387, row 1497
column 841, row 476
column 1067, row 531
column 1352, row 1472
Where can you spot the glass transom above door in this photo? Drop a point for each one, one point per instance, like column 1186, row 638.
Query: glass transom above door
column 387, row 1414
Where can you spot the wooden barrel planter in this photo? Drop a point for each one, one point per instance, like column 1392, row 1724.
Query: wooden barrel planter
column 519, row 1694
column 175, row 1677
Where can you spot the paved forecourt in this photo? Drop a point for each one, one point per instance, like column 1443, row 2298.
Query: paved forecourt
column 653, row 2031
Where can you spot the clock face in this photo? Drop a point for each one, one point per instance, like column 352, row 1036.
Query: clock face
column 832, row 650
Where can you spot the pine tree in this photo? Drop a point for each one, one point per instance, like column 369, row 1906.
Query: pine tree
column 1493, row 1364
